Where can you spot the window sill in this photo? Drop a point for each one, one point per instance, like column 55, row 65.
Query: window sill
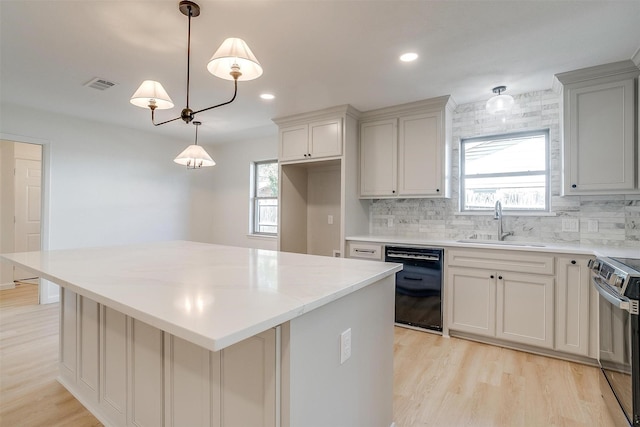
column 262, row 236
column 506, row 213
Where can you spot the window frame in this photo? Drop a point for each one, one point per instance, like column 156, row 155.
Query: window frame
column 511, row 135
column 255, row 200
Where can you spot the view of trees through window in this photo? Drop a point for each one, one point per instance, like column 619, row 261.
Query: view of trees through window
column 265, row 199
column 512, row 168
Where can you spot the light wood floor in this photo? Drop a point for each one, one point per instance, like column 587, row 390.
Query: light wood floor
column 440, row 382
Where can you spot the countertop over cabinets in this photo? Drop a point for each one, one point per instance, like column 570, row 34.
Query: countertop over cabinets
column 211, row 295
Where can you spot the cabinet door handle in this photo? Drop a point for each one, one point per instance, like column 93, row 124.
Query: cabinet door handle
column 573, row 261
column 492, row 276
column 573, row 186
column 309, row 154
column 500, row 277
column 365, row 251
column 437, row 190
column 393, row 191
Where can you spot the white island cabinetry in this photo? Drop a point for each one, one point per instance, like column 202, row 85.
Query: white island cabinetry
column 132, row 373
column 192, row 334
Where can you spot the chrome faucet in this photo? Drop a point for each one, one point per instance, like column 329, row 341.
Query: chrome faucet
column 497, row 214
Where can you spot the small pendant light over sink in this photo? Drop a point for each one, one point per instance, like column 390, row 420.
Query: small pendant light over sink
column 194, row 157
column 500, row 104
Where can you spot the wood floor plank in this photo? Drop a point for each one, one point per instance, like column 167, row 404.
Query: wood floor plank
column 454, row 382
column 438, row 382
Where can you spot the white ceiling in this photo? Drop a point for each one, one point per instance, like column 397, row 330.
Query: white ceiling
column 315, row 54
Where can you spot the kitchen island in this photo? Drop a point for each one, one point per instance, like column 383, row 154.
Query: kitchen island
column 184, row 333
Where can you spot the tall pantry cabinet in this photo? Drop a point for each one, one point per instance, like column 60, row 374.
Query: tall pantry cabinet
column 318, row 181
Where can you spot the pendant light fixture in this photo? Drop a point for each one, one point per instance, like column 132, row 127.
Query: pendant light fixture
column 500, row 104
column 194, row 157
column 232, row 61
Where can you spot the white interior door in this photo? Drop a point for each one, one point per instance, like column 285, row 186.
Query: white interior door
column 28, row 178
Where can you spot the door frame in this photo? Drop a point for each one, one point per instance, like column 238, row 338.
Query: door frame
column 48, row 292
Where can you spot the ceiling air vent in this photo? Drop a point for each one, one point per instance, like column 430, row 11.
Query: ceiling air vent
column 100, row 84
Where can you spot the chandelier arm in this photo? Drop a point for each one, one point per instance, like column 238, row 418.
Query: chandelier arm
column 235, row 92
column 161, row 123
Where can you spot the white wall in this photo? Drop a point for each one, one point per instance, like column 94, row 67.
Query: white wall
column 108, row 185
column 220, row 194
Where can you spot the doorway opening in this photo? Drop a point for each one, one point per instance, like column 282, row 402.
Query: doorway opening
column 21, row 209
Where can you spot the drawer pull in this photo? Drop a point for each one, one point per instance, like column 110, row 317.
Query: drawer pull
column 365, row 251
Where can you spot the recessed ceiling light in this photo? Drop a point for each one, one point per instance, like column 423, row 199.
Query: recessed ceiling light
column 408, row 57
column 267, row 96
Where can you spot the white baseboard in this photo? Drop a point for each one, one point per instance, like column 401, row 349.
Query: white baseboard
column 8, row 285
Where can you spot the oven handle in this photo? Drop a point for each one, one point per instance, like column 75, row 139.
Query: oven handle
column 418, row 257
column 618, row 302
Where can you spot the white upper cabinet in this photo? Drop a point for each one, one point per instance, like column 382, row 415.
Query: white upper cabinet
column 599, row 148
column 405, row 151
column 310, row 141
column 378, row 158
column 421, row 155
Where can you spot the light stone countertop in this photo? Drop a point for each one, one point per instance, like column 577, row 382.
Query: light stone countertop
column 211, row 295
column 610, row 251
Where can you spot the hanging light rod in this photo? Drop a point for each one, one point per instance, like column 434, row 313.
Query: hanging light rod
column 232, row 61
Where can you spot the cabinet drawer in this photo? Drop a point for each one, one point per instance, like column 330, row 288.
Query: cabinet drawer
column 365, row 250
column 521, row 262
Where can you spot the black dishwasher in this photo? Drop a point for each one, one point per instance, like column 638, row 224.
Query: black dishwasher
column 418, row 286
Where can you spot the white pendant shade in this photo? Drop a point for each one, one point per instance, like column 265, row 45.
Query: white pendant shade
column 150, row 91
column 500, row 104
column 194, row 157
column 234, row 51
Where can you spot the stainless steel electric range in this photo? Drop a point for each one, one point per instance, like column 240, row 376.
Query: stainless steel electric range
column 618, row 283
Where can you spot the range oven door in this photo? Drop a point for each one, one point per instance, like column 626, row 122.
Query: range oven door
column 618, row 354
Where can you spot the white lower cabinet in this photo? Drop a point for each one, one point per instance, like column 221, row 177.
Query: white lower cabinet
column 525, row 308
column 576, row 313
column 534, row 299
column 365, row 250
column 129, row 373
column 512, row 306
column 471, row 300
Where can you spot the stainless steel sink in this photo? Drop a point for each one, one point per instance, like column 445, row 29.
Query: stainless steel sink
column 501, row 243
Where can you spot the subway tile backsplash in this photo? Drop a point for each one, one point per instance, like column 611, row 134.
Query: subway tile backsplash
column 612, row 220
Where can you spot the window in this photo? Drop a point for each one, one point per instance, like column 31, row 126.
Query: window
column 264, row 197
column 512, row 168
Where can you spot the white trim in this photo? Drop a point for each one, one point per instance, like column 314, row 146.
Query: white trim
column 8, row 285
column 636, row 57
column 505, row 213
column 262, row 236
